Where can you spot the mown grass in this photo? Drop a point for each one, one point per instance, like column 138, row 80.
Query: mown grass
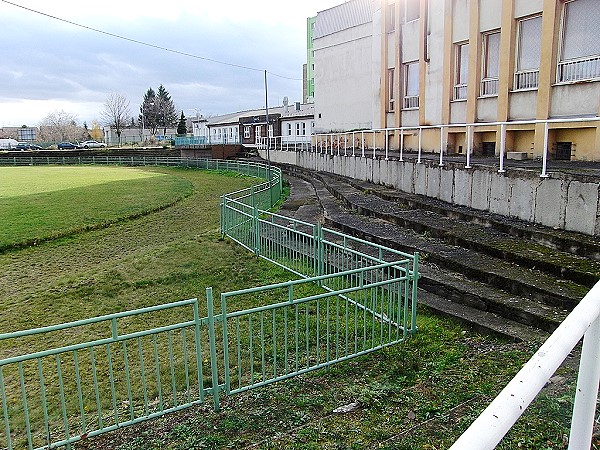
column 42, row 203
column 420, row 394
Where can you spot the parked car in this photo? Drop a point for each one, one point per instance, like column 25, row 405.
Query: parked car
column 92, row 144
column 67, row 146
column 27, row 146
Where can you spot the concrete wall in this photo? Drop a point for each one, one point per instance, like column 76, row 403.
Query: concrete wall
column 562, row 201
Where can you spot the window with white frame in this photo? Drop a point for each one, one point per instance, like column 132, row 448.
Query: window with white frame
column 270, row 130
column 411, row 85
column 412, row 10
column 297, row 128
column 303, row 128
column 391, row 90
column 461, row 70
column 580, row 47
column 289, row 129
column 491, row 63
column 246, row 131
column 529, row 48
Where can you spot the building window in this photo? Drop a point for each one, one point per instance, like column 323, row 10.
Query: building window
column 411, row 85
column 391, row 18
column 297, row 128
column 412, row 10
column 270, row 128
column 529, row 48
column 246, row 131
column 491, row 64
column 391, row 90
column 289, row 129
column 303, row 128
column 580, row 51
column 461, row 72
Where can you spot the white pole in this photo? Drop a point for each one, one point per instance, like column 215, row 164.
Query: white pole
column 386, row 145
column 441, row 146
column 502, row 146
column 374, row 145
column 545, row 156
column 345, row 144
column 469, row 140
column 586, row 395
column 362, row 134
column 420, row 142
column 401, row 144
column 353, row 143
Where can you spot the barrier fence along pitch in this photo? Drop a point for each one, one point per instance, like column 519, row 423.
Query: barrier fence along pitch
column 351, row 297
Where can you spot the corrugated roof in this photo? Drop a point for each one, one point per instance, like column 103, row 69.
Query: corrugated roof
column 344, row 16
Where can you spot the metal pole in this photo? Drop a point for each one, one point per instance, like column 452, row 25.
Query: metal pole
column 545, row 156
column 582, row 422
column 386, row 145
column 441, row 146
column 469, row 141
column 502, row 145
column 401, row 144
column 267, row 126
column 420, row 143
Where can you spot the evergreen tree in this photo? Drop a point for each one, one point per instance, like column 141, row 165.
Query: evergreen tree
column 148, row 118
column 167, row 117
column 181, row 128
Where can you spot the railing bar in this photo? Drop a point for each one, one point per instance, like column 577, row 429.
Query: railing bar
column 185, row 366
column 112, row 384
column 63, row 404
column 251, row 333
column 26, row 407
column 143, row 375
column 157, row 369
column 262, row 344
column 5, row 410
column 96, row 389
column 44, row 401
column 274, row 345
column 128, row 379
column 79, row 393
column 172, row 366
column 238, row 350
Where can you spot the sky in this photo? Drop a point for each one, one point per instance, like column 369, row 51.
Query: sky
column 49, row 65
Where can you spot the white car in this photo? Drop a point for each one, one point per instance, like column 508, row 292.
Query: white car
column 92, row 144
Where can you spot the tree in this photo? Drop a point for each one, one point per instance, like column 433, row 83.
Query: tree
column 148, row 118
column 116, row 112
column 96, row 132
column 60, row 126
column 181, row 127
column 167, row 117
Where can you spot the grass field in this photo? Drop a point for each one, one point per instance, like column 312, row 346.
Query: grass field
column 417, row 395
column 41, row 203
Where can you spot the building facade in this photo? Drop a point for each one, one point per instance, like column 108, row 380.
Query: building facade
column 524, row 75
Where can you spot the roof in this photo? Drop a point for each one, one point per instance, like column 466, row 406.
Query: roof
column 306, row 109
column 347, row 15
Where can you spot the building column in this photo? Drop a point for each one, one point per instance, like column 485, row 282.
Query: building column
column 547, row 75
column 474, row 61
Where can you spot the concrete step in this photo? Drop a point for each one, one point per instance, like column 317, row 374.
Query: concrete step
column 468, row 235
column 491, row 294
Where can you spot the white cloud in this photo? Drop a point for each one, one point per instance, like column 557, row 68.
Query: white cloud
column 49, row 65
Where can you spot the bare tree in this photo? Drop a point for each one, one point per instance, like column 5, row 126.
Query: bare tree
column 116, row 113
column 60, row 126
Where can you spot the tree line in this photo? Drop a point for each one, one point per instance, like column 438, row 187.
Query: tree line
column 157, row 113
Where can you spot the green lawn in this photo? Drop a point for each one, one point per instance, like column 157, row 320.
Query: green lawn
column 417, row 395
column 41, row 203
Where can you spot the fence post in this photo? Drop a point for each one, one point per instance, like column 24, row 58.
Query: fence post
column 225, row 344
column 213, row 348
column 415, row 280
column 198, row 352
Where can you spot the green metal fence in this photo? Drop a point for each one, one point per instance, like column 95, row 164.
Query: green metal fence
column 350, row 297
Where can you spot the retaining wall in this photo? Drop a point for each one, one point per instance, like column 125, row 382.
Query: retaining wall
column 563, row 200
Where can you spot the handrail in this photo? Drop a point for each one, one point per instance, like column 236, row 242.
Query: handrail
column 497, row 419
column 355, row 143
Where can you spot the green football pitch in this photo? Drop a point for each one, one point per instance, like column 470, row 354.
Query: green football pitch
column 41, row 203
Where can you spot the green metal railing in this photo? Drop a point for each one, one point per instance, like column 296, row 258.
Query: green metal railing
column 351, row 297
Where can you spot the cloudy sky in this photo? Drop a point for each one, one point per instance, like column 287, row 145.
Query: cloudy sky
column 50, row 65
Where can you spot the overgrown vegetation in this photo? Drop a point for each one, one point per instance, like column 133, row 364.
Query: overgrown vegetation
column 417, row 395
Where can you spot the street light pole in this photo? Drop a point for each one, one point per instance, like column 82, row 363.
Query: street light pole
column 268, row 143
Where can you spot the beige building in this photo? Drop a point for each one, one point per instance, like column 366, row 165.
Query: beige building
column 516, row 75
